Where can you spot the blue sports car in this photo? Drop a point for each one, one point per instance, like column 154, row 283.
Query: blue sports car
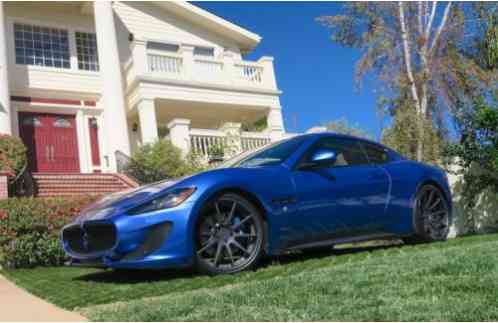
column 309, row 191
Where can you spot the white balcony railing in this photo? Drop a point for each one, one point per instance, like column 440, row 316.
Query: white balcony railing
column 168, row 64
column 250, row 73
column 185, row 66
column 202, row 141
column 253, row 140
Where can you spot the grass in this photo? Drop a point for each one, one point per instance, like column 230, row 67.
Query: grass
column 452, row 281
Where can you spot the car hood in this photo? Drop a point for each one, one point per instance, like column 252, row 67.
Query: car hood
column 115, row 203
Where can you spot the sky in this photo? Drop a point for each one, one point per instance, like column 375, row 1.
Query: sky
column 315, row 75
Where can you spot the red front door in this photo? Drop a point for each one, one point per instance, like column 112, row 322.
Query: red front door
column 51, row 141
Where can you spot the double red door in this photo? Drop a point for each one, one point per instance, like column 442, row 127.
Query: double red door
column 51, row 140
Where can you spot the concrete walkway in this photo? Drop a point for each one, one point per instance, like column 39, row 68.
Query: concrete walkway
column 18, row 305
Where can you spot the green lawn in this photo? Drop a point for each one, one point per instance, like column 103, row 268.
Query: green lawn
column 452, row 281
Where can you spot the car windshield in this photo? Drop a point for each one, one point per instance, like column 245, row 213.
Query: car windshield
column 273, row 154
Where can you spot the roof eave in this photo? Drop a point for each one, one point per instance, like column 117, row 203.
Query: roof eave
column 246, row 39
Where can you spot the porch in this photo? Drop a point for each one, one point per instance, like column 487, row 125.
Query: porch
column 206, row 129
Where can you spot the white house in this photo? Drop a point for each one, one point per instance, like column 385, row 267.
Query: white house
column 80, row 81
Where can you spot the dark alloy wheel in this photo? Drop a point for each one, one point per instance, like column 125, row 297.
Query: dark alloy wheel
column 431, row 215
column 230, row 235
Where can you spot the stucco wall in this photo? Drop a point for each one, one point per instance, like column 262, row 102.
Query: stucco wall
column 485, row 212
column 24, row 78
column 144, row 20
column 150, row 22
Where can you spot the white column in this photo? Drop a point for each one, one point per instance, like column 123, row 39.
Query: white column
column 234, row 141
column 229, row 66
column 188, row 61
column 83, row 141
column 179, row 134
column 139, row 54
column 148, row 122
column 5, row 111
column 113, row 95
column 275, row 123
column 268, row 77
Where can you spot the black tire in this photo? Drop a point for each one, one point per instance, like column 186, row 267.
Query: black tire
column 230, row 235
column 431, row 216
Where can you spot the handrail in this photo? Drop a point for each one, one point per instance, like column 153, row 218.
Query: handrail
column 23, row 184
column 122, row 162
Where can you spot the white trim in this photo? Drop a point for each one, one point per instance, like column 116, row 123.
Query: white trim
column 202, row 85
column 82, row 147
column 63, row 108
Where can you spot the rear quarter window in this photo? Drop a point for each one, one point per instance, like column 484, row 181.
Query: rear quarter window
column 376, row 154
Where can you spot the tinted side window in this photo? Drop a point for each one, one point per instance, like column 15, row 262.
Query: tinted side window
column 349, row 152
column 376, row 154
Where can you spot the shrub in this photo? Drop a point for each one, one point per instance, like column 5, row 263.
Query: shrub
column 160, row 160
column 475, row 159
column 13, row 157
column 30, row 228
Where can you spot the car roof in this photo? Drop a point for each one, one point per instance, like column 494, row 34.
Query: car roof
column 340, row 135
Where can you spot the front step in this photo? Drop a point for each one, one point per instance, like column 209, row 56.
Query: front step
column 54, row 184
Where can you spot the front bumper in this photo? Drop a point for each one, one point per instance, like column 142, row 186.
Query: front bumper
column 157, row 240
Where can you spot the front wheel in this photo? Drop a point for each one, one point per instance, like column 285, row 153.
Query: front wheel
column 431, row 216
column 230, row 235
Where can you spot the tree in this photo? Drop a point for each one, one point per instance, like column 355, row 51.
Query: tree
column 476, row 153
column 402, row 136
column 342, row 126
column 406, row 46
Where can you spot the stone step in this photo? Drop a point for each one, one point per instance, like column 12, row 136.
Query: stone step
column 49, row 184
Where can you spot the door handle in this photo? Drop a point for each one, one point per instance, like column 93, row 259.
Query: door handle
column 52, row 149
column 47, row 153
column 324, row 173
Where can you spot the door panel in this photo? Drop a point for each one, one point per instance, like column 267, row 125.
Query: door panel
column 64, row 149
column 51, row 141
column 345, row 198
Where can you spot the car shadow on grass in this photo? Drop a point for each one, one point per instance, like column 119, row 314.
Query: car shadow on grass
column 320, row 253
column 135, row 276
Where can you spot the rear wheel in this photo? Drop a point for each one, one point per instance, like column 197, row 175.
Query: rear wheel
column 230, row 235
column 431, row 216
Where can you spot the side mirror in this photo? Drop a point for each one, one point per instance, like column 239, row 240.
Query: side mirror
column 320, row 158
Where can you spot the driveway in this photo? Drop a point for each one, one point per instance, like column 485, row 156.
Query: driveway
column 19, row 305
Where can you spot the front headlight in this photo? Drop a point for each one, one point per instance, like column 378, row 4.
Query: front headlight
column 170, row 199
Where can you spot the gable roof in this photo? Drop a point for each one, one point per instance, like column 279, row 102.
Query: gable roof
column 246, row 39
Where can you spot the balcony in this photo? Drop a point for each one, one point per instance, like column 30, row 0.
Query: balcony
column 183, row 67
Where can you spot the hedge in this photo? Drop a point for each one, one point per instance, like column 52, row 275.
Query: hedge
column 30, row 228
column 13, row 157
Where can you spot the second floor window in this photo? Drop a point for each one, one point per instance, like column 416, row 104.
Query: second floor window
column 42, row 46
column 86, row 47
column 204, row 51
column 165, row 47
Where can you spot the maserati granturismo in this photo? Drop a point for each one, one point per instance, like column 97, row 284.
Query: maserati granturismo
column 308, row 191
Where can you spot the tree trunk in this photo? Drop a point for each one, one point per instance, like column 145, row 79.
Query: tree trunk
column 413, row 87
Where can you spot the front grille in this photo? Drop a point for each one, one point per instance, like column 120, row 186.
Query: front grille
column 92, row 237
